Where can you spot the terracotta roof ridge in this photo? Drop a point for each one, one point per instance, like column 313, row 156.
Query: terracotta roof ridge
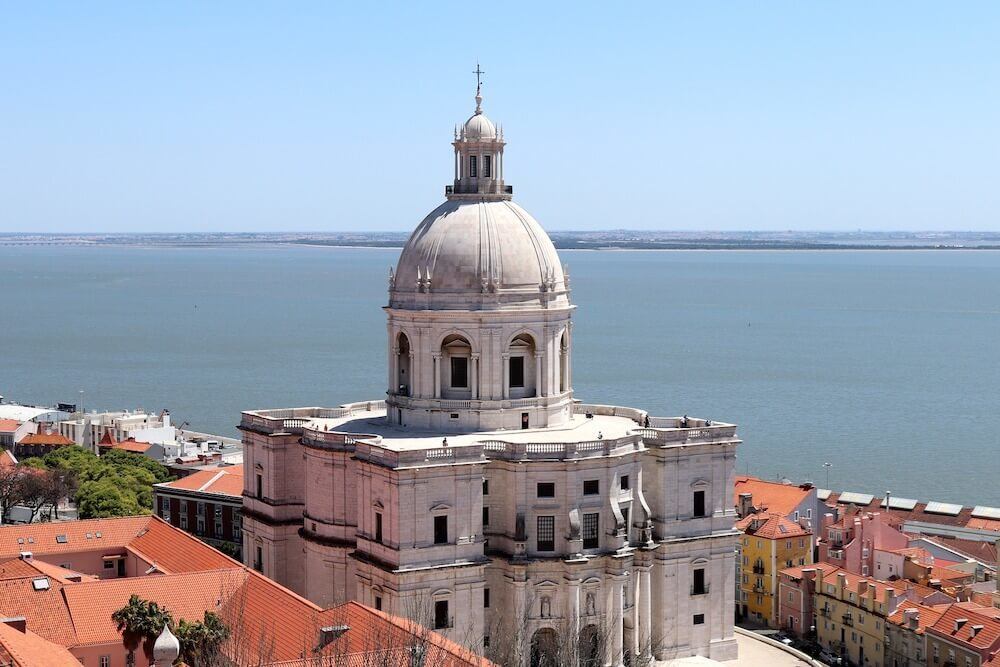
column 146, row 557
column 212, row 481
column 69, row 612
column 273, row 584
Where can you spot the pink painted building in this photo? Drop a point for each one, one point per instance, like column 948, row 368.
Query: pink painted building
column 853, row 541
column 796, row 590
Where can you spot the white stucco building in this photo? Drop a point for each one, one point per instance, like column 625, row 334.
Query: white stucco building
column 481, row 495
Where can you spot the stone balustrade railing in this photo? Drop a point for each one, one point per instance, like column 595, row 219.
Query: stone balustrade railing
column 520, row 451
column 293, row 420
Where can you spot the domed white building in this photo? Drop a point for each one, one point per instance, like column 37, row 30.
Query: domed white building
column 481, row 497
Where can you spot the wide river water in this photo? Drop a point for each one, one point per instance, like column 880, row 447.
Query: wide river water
column 885, row 364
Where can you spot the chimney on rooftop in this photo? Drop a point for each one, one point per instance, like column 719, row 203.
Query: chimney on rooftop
column 911, row 618
column 862, row 588
column 745, row 504
column 20, row 624
column 25, row 555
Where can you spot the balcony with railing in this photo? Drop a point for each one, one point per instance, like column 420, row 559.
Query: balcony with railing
column 293, row 420
column 848, row 620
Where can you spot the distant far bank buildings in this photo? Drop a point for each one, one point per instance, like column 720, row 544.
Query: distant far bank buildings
column 35, row 431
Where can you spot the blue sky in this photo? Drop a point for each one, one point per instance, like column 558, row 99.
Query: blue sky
column 156, row 116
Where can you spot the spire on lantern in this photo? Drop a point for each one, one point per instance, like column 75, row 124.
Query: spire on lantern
column 479, row 88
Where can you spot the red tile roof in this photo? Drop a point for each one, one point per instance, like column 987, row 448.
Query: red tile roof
column 919, row 513
column 26, row 649
column 946, row 575
column 797, row 571
column 984, row 524
column 40, row 538
column 130, row 445
column 771, row 527
column 270, row 622
column 9, row 425
column 173, row 550
column 926, row 615
column 919, row 590
column 379, row 630
column 46, row 440
column 149, row 537
column 773, row 497
column 224, row 481
column 7, row 460
column 186, row 596
column 18, row 568
column 986, row 638
column 45, row 610
column 916, row 554
column 852, row 583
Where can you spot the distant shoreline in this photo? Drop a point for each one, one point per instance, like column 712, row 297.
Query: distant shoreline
column 576, row 247
column 598, row 240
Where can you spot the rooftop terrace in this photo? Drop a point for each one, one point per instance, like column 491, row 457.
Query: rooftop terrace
column 593, row 430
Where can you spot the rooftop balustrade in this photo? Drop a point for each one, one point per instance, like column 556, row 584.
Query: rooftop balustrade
column 293, row 420
column 559, row 451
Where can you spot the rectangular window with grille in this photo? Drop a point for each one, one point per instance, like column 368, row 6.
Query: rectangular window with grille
column 546, row 534
column 487, row 166
column 591, row 525
column 473, row 170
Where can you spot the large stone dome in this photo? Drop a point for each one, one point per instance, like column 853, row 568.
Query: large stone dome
column 475, row 255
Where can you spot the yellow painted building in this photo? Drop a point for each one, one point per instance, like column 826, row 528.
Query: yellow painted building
column 851, row 613
column 770, row 543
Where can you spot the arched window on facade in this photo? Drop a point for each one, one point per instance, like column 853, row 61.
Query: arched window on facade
column 403, row 371
column 564, row 362
column 521, row 370
column 456, row 367
column 545, row 648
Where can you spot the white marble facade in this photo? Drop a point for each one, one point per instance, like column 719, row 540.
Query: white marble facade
column 480, row 496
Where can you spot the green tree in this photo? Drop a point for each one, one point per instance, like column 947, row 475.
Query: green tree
column 202, row 641
column 140, row 622
column 105, row 498
column 116, row 484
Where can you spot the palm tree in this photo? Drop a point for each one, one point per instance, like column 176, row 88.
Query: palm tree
column 201, row 641
column 140, row 622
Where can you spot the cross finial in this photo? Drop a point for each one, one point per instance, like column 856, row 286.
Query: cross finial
column 479, row 83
